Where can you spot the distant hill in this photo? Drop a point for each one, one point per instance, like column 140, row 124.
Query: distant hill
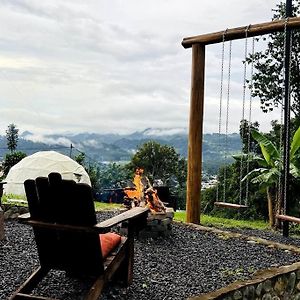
column 117, row 147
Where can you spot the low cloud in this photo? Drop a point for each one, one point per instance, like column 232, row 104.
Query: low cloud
column 99, row 66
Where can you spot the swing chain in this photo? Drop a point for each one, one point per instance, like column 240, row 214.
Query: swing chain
column 221, row 99
column 250, row 122
column 227, row 118
column 285, row 163
column 243, row 112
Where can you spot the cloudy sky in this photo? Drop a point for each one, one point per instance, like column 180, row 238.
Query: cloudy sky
column 115, row 65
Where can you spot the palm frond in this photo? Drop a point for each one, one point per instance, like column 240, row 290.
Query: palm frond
column 295, row 145
column 268, row 149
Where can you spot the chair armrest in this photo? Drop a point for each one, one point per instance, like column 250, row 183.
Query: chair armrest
column 133, row 213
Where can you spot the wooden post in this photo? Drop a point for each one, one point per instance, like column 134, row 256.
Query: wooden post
column 195, row 135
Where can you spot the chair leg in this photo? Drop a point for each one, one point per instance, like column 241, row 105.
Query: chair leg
column 125, row 272
column 32, row 281
column 96, row 289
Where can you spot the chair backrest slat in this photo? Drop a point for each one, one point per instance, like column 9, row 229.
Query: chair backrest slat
column 59, row 201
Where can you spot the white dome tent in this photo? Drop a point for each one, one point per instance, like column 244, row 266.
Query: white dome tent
column 42, row 164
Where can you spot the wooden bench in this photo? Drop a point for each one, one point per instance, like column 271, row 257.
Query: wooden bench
column 67, row 235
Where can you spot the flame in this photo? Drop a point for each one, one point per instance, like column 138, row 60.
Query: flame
column 140, row 196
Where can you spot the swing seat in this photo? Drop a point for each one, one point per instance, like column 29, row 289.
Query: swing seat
column 230, row 205
column 288, row 218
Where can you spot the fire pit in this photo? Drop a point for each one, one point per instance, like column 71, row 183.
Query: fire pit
column 158, row 224
column 142, row 193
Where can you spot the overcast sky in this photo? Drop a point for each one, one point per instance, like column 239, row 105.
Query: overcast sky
column 115, row 65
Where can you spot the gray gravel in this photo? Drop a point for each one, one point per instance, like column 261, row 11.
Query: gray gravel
column 186, row 263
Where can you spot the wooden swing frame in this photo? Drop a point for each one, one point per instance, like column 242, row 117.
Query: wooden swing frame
column 198, row 44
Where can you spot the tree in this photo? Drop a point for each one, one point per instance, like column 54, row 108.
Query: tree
column 11, row 159
column 268, row 175
column 268, row 78
column 113, row 175
column 162, row 162
column 12, row 136
column 158, row 161
column 80, row 158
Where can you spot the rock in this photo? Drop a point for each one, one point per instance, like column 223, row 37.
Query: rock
column 280, row 285
column 259, row 289
column 291, row 283
column 237, row 295
column 251, row 292
column 297, row 296
column 267, row 297
column 267, row 285
column 7, row 214
column 14, row 215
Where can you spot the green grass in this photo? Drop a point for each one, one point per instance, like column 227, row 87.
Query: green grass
column 6, row 199
column 223, row 222
column 106, row 206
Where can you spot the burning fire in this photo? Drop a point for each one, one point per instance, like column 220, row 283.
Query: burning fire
column 144, row 194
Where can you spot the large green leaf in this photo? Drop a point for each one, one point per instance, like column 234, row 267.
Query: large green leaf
column 295, row 143
column 267, row 178
column 262, row 162
column 294, row 171
column 255, row 172
column 268, row 149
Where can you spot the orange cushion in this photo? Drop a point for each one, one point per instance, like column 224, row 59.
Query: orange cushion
column 108, row 242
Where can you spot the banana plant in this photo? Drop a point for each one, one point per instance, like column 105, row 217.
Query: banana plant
column 270, row 169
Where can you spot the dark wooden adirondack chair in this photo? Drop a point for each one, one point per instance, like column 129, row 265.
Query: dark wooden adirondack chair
column 67, row 235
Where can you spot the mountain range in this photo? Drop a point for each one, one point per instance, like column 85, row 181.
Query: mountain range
column 120, row 147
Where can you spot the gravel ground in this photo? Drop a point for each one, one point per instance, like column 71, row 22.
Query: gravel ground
column 186, row 263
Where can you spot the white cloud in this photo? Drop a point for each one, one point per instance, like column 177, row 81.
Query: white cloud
column 111, row 66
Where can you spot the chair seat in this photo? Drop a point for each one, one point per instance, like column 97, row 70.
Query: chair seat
column 108, row 242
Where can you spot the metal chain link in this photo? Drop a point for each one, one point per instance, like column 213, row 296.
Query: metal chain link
column 227, row 118
column 221, row 101
column 243, row 113
column 250, row 122
column 288, row 117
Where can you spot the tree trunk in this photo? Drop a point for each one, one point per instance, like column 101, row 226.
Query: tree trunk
column 271, row 207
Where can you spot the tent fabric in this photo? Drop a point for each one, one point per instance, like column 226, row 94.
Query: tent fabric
column 42, row 164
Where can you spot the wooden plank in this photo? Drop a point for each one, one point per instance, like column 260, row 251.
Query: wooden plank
column 62, row 227
column 230, row 205
column 31, row 282
column 239, row 32
column 288, row 218
column 96, row 289
column 129, row 214
column 195, row 136
column 21, row 296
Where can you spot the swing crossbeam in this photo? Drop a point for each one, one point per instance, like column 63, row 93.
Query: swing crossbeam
column 288, row 218
column 230, row 205
column 239, row 32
